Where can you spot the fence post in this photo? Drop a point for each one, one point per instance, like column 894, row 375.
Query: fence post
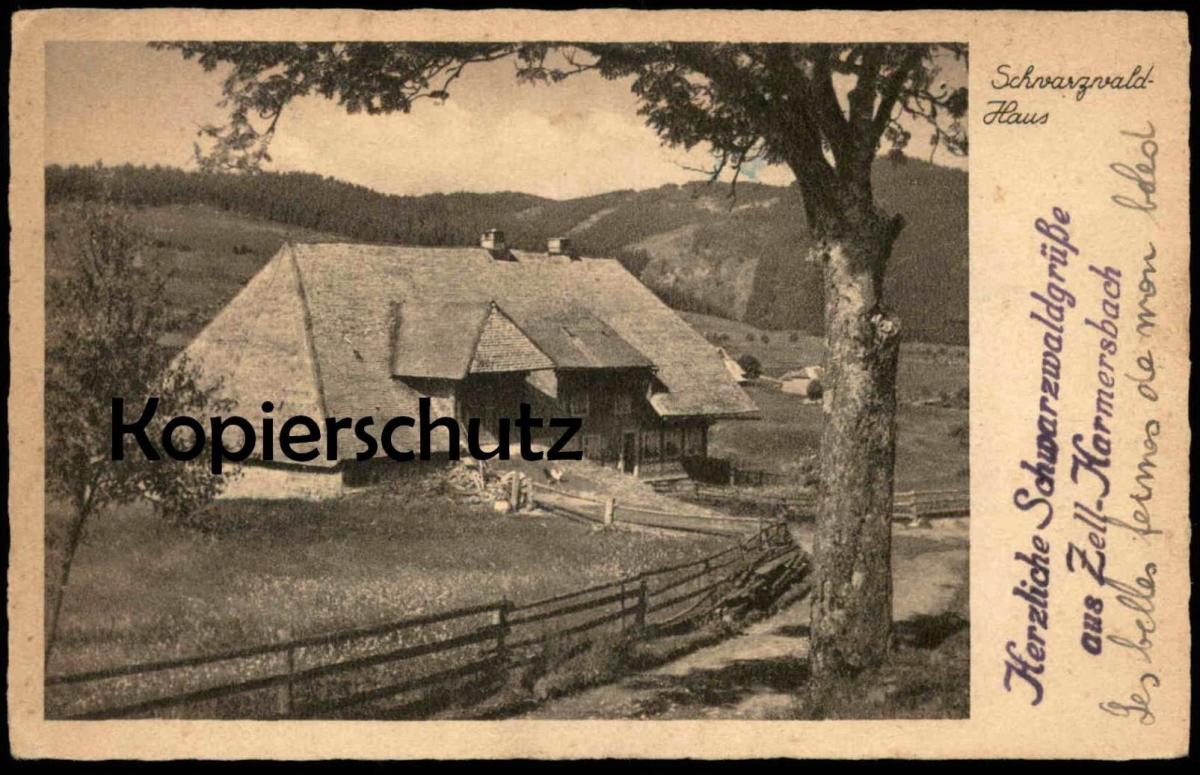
column 502, row 627
column 624, row 620
column 284, row 697
column 515, row 494
column 610, row 506
column 642, row 604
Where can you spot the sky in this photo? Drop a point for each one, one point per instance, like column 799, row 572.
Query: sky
column 127, row 103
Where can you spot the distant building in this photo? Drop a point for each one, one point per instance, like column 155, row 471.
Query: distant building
column 350, row 330
column 799, row 381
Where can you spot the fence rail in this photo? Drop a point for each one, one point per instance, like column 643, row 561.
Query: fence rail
column 437, row 654
column 609, row 511
column 801, row 504
column 726, row 471
column 911, row 505
column 932, row 504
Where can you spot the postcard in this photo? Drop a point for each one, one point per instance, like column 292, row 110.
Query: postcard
column 599, row 384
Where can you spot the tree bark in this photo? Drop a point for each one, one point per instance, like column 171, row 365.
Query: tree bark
column 74, row 534
column 852, row 602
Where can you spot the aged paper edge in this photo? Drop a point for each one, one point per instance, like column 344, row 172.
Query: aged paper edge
column 31, row 736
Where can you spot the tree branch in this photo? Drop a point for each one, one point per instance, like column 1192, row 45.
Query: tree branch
column 891, row 88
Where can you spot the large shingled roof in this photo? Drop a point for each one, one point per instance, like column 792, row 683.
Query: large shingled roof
column 343, row 299
column 450, row 339
column 576, row 339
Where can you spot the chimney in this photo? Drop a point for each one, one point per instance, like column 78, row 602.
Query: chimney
column 559, row 246
column 492, row 239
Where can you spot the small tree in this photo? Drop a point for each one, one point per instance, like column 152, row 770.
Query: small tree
column 104, row 315
column 815, row 390
column 750, row 366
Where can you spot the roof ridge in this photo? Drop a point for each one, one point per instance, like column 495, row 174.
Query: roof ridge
column 523, row 332
column 492, row 306
column 309, row 339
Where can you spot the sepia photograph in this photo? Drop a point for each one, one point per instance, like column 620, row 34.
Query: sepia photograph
column 435, row 380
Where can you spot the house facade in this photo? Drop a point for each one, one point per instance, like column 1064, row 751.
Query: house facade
column 345, row 330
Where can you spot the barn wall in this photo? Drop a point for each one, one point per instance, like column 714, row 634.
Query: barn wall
column 266, row 481
column 795, row 386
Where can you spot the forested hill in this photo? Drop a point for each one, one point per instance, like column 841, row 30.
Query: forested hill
column 296, row 198
column 694, row 245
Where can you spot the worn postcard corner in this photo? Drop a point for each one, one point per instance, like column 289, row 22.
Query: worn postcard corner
column 508, row 382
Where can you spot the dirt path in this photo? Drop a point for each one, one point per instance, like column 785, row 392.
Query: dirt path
column 756, row 674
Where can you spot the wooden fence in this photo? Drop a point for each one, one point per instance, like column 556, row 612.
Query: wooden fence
column 610, row 511
column 756, row 477
column 932, row 504
column 725, row 471
column 415, row 666
column 912, row 505
column 804, row 505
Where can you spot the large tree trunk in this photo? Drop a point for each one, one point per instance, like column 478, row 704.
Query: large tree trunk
column 852, row 602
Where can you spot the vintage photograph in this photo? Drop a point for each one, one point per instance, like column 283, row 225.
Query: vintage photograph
column 506, row 380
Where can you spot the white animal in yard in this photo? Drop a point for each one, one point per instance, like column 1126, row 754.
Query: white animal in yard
column 554, row 474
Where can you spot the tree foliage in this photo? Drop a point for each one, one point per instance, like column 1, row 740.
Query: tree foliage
column 750, row 365
column 299, row 198
column 104, row 316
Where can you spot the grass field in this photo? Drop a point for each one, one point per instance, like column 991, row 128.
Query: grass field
column 925, row 371
column 145, row 589
column 931, row 450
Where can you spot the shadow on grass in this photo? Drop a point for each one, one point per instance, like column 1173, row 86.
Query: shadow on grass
column 793, row 631
column 925, row 676
column 722, row 687
column 928, row 631
column 918, row 632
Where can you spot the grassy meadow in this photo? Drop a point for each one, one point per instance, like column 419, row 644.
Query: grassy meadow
column 145, row 589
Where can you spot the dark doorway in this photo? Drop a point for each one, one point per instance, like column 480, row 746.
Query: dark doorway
column 628, row 452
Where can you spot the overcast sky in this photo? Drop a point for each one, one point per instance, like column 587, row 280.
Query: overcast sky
column 124, row 102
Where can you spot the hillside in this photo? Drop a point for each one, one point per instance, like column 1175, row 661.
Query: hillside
column 699, row 249
column 210, row 254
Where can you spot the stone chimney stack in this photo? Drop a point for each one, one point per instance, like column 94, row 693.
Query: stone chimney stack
column 492, row 239
column 559, row 246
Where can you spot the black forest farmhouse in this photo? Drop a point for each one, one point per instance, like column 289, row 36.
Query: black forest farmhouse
column 351, row 330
